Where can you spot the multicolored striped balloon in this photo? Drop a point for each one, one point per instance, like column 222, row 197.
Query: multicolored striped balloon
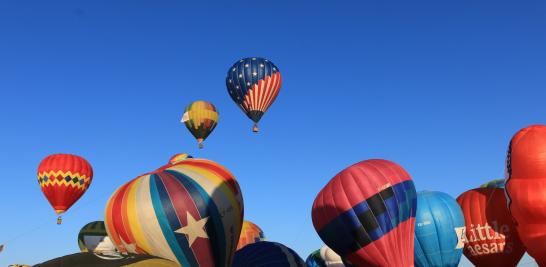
column 190, row 212
column 64, row 178
column 366, row 214
column 267, row 254
column 250, row 233
column 200, row 117
column 254, row 83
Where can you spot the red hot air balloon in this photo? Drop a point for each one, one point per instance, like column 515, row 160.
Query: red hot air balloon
column 526, row 188
column 491, row 237
column 64, row 178
column 366, row 214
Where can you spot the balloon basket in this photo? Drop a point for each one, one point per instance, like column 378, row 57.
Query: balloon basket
column 255, row 128
column 59, row 220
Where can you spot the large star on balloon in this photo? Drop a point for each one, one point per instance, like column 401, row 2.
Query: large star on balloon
column 193, row 228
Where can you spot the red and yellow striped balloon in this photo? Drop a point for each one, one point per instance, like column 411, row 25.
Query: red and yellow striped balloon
column 64, row 178
column 250, row 233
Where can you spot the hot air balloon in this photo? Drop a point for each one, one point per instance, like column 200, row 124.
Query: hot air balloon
column 93, row 238
column 254, row 83
column 91, row 260
column 491, row 237
column 64, row 178
column 366, row 214
column 190, row 212
column 250, row 233
column 267, row 254
column 325, row 257
column 526, row 188
column 439, row 230
column 200, row 117
column 314, row 259
column 498, row 183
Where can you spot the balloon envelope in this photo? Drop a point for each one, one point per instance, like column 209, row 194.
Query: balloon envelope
column 267, row 254
column 366, row 214
column 526, row 188
column 491, row 237
column 93, row 238
column 439, row 230
column 250, row 233
column 90, row 260
column 498, row 183
column 64, row 178
column 314, row 259
column 253, row 84
column 200, row 117
column 189, row 212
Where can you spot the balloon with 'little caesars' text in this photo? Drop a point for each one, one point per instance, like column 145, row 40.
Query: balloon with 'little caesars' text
column 491, row 236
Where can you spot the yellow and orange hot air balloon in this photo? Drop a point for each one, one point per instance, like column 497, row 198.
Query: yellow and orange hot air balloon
column 250, row 233
column 64, row 178
column 526, row 188
column 200, row 117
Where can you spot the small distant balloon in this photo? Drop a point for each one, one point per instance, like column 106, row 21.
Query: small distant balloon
column 64, row 178
column 250, row 233
column 200, row 117
column 497, row 183
column 254, row 83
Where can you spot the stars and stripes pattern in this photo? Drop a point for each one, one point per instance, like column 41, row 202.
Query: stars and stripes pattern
column 254, row 83
column 189, row 212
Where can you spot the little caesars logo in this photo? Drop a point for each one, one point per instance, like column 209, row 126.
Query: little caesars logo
column 488, row 239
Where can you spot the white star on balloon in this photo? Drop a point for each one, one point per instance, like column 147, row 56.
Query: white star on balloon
column 193, row 229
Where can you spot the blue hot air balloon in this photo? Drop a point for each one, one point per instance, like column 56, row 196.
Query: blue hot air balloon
column 439, row 230
column 267, row 254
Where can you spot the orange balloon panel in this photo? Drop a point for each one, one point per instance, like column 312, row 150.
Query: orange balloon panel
column 526, row 188
column 491, row 236
column 250, row 233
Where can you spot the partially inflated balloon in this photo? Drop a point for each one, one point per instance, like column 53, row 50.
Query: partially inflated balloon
column 92, row 238
column 491, row 237
column 250, row 233
column 366, row 214
column 439, row 230
column 254, row 83
column 267, row 254
column 526, row 188
column 190, row 212
column 314, row 259
column 498, row 183
column 200, row 117
column 64, row 178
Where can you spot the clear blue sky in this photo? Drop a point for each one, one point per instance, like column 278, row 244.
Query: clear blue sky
column 437, row 86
